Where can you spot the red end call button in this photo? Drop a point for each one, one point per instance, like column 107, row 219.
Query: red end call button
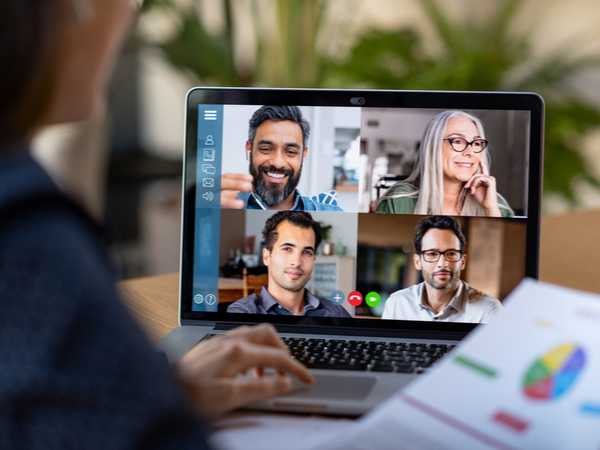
column 355, row 298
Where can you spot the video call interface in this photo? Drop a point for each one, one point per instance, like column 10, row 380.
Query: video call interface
column 357, row 173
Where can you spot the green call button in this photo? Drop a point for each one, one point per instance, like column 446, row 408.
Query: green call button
column 372, row 299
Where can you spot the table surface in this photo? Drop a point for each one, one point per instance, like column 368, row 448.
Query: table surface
column 569, row 256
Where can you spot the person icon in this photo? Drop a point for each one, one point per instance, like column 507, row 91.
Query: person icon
column 209, row 140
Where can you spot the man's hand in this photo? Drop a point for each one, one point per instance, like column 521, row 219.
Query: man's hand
column 208, row 371
column 231, row 183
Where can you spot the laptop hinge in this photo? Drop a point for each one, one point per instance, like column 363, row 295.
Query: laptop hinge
column 398, row 334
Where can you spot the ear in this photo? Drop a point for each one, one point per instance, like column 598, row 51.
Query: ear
column 417, row 261
column 248, row 150
column 463, row 262
column 266, row 256
column 304, row 153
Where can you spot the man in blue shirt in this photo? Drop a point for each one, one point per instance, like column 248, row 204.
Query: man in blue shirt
column 276, row 150
column 291, row 240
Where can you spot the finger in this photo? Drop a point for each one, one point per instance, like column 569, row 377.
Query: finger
column 243, row 355
column 229, row 200
column 482, row 181
column 478, row 179
column 471, row 180
column 247, row 391
column 484, row 168
column 236, row 182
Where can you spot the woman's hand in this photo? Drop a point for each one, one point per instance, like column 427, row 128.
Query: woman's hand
column 482, row 186
column 208, row 371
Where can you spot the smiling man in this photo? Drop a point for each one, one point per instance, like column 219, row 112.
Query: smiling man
column 276, row 150
column 440, row 256
column 291, row 242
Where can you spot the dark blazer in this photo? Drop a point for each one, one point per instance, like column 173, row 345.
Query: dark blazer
column 75, row 370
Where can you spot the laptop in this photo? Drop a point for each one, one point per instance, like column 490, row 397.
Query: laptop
column 361, row 144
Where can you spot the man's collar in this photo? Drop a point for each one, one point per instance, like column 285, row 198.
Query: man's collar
column 311, row 300
column 269, row 301
column 299, row 203
column 458, row 299
column 457, row 302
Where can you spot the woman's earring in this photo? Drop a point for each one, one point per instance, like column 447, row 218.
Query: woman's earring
column 83, row 10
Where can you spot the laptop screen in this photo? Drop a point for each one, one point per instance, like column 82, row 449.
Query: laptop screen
column 367, row 209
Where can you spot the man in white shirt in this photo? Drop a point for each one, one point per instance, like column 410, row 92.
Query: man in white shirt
column 440, row 256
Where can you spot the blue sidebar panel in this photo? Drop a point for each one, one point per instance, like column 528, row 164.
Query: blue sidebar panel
column 208, row 208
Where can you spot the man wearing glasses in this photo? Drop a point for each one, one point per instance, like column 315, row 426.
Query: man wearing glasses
column 443, row 296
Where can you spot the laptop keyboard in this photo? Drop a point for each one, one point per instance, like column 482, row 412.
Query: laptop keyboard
column 365, row 355
column 370, row 356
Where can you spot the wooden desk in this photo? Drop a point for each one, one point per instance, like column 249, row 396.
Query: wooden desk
column 570, row 256
column 154, row 301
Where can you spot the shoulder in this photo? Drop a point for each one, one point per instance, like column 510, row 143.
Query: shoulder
column 474, row 296
column 325, row 201
column 402, row 188
column 505, row 208
column 332, row 309
column 403, row 204
column 402, row 302
column 86, row 351
column 246, row 305
column 410, row 292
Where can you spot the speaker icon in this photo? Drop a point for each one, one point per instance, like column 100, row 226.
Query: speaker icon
column 208, row 196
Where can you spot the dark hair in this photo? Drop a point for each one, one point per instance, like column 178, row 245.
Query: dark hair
column 28, row 55
column 278, row 114
column 440, row 223
column 299, row 219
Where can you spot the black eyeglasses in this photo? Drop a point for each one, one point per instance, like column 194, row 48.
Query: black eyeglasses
column 460, row 144
column 434, row 255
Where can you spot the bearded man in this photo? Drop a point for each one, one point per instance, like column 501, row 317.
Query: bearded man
column 440, row 255
column 276, row 150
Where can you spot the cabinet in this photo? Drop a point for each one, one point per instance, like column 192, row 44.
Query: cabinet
column 333, row 273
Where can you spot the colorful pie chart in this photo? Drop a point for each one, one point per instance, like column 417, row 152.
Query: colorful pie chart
column 554, row 373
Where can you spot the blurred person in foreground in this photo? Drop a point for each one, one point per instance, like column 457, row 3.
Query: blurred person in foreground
column 76, row 370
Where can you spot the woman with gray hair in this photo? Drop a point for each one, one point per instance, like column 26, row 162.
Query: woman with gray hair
column 451, row 176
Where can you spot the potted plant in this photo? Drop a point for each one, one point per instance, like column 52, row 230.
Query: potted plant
column 328, row 248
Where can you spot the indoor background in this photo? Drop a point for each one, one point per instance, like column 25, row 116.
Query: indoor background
column 125, row 167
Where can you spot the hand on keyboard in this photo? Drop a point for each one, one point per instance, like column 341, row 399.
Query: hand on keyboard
column 208, row 371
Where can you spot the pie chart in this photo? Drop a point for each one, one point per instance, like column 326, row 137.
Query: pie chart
column 554, row 373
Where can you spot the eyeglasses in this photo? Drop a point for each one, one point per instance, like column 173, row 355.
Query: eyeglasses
column 460, row 144
column 434, row 255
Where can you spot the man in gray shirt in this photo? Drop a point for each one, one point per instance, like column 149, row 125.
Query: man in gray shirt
column 440, row 255
column 291, row 241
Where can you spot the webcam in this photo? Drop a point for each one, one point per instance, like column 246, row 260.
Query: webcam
column 357, row 101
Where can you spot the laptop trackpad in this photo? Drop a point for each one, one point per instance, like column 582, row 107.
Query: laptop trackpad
column 334, row 387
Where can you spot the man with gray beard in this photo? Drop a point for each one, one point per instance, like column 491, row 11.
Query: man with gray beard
column 440, row 248
column 276, row 150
